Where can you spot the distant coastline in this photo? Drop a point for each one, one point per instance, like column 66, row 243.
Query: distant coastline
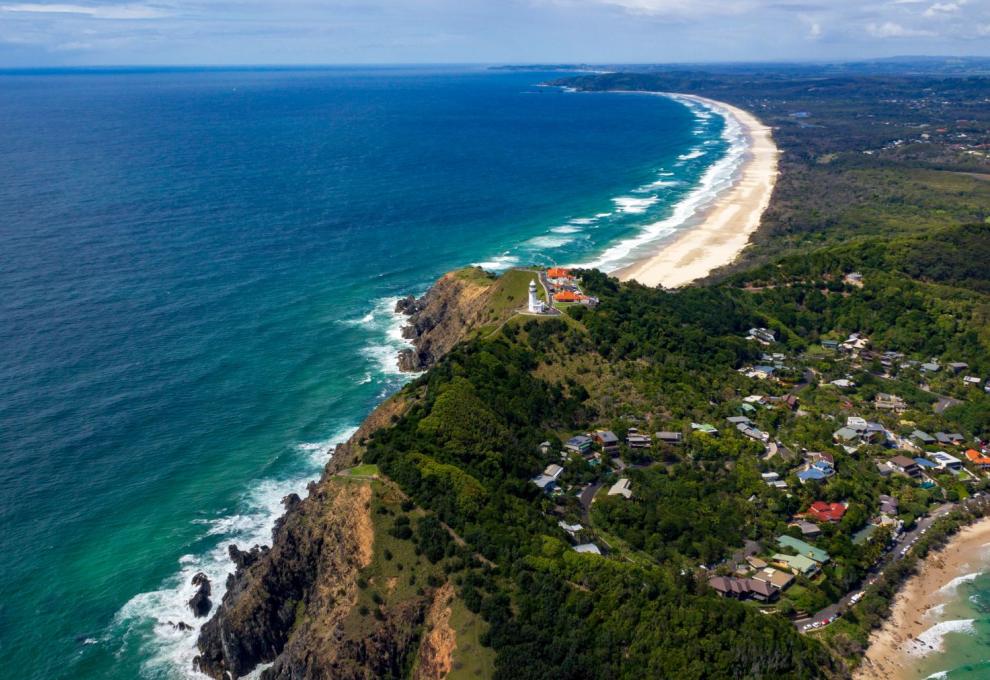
column 726, row 226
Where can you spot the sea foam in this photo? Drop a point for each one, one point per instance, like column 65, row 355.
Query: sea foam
column 932, row 639
column 633, row 204
column 717, row 178
column 953, row 585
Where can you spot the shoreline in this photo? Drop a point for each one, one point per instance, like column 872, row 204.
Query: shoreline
column 895, row 650
column 725, row 227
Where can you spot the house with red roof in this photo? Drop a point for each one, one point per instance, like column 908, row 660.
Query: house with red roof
column 826, row 512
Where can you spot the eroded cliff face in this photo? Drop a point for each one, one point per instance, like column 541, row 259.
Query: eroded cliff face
column 295, row 606
column 303, row 584
column 456, row 304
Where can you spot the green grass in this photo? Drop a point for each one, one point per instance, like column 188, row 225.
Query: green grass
column 393, row 562
column 364, row 471
column 471, row 660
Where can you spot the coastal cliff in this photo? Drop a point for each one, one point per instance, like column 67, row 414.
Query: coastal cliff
column 456, row 304
column 297, row 606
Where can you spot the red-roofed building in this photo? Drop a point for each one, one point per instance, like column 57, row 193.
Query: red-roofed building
column 826, row 512
column 558, row 273
column 568, row 296
column 978, row 459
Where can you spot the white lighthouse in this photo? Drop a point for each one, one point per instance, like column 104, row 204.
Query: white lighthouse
column 535, row 304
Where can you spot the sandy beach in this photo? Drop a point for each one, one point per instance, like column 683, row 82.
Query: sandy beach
column 895, row 648
column 727, row 226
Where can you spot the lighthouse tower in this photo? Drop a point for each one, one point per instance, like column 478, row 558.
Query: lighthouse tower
column 535, row 304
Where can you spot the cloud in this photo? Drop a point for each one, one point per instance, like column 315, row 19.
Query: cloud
column 940, row 9
column 891, row 29
column 93, row 11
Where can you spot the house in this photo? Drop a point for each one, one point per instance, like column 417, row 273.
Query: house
column 588, row 549
column 671, row 438
column 743, row 588
column 957, row 366
column 972, row 380
column 637, row 440
column 854, row 279
column 778, row 579
column 548, row 480
column 826, row 512
column 545, row 448
column 922, row 438
column 762, row 335
column 705, row 428
column 809, row 529
column 753, row 433
column 857, row 423
column 830, row 344
column 925, row 464
column 570, row 528
column 943, row 461
column 816, row 472
column 846, row 435
column 559, row 275
column 930, row 367
column 761, row 372
column 737, row 420
column 844, row 383
column 607, row 440
column 889, row 402
column 621, row 488
column 888, row 505
column 953, row 438
column 797, row 564
column 864, row 534
column 978, row 459
column 904, row 465
column 580, row 444
column 802, row 548
column 756, row 562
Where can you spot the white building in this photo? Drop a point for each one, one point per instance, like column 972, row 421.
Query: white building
column 535, row 303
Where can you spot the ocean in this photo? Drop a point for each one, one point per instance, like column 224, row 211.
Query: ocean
column 956, row 642
column 198, row 270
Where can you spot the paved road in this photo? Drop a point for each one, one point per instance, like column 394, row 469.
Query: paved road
column 903, row 542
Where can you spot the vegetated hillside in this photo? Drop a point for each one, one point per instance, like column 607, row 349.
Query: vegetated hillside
column 466, row 553
column 882, row 155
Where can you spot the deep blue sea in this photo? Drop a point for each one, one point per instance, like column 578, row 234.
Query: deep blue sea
column 197, row 276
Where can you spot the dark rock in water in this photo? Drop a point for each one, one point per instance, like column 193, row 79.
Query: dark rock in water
column 200, row 602
column 291, row 501
column 406, row 305
column 203, row 582
column 181, row 625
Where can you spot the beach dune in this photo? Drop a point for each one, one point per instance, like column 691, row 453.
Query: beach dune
column 728, row 224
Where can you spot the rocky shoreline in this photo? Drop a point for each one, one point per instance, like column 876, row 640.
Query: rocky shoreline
column 286, row 604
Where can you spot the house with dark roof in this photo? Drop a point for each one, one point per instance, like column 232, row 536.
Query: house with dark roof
column 905, row 466
column 671, row 438
column 579, row 444
column 743, row 588
column 636, row 440
column 922, row 438
column 607, row 440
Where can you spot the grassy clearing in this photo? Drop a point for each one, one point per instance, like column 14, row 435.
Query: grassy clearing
column 471, row 660
column 364, row 471
column 396, row 573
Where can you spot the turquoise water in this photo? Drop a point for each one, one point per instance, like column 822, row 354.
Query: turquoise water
column 197, row 272
column 956, row 643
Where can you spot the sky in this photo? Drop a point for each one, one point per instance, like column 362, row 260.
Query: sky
column 227, row 32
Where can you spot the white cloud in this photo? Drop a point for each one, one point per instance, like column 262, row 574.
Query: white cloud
column 891, row 29
column 943, row 8
column 92, row 11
